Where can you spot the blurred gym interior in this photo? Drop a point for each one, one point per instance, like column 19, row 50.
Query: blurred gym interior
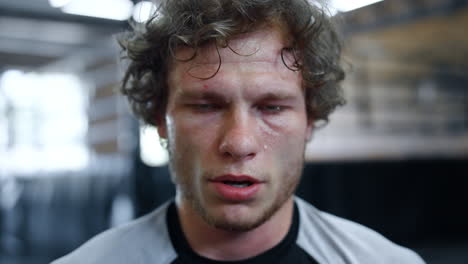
column 74, row 162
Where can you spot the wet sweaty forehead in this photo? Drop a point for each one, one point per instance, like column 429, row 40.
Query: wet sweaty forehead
column 262, row 46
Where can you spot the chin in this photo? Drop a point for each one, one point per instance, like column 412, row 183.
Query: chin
column 237, row 223
column 237, row 218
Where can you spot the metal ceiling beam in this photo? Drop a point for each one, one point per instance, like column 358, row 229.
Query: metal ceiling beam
column 116, row 26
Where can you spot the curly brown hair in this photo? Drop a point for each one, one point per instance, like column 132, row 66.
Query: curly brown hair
column 150, row 48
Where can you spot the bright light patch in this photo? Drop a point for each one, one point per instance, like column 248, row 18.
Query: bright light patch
column 108, row 9
column 59, row 3
column 151, row 151
column 12, row 84
column 143, row 11
column 346, row 5
column 44, row 122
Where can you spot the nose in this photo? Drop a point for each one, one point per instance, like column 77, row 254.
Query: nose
column 238, row 140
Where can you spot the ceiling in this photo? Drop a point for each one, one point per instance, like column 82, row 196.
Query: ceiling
column 34, row 34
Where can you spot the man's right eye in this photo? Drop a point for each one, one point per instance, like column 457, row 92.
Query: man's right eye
column 204, row 107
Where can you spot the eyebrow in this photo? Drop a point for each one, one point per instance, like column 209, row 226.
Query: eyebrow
column 276, row 96
column 212, row 90
column 218, row 97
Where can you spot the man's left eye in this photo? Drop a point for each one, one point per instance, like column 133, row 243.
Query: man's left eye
column 271, row 108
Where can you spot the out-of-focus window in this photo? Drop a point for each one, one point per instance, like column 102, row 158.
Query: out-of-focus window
column 43, row 122
column 152, row 153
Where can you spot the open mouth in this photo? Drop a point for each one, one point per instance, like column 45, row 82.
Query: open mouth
column 236, row 184
column 238, row 181
column 238, row 188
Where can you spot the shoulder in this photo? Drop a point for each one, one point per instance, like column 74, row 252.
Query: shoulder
column 144, row 240
column 331, row 239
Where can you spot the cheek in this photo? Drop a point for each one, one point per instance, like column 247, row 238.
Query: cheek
column 186, row 148
column 194, row 137
column 286, row 132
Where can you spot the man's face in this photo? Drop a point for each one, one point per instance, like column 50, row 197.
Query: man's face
column 236, row 140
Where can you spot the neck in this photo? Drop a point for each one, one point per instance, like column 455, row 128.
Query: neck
column 218, row 244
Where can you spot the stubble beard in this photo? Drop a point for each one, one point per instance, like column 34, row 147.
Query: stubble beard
column 186, row 188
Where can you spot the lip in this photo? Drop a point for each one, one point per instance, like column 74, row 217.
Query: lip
column 235, row 178
column 236, row 194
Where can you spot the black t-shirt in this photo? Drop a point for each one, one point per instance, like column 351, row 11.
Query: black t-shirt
column 287, row 251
